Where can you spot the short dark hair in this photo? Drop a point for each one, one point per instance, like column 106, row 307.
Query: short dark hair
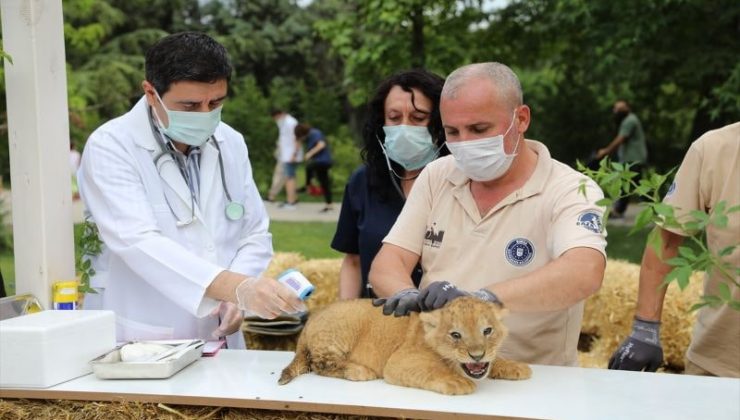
column 192, row 56
column 276, row 111
column 425, row 82
column 301, row 130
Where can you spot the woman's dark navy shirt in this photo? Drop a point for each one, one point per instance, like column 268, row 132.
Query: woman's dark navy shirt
column 364, row 221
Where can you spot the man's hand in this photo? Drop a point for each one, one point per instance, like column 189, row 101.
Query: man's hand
column 231, row 319
column 267, row 298
column 439, row 293
column 401, row 303
column 641, row 350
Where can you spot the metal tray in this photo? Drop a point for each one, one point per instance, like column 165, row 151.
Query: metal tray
column 110, row 366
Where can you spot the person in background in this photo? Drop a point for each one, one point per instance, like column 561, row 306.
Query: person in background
column 278, row 176
column 289, row 157
column 630, row 146
column 707, row 177
column 500, row 220
column 318, row 158
column 402, row 134
column 169, row 187
column 74, row 165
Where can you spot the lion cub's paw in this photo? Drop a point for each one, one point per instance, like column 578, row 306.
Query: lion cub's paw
column 509, row 369
column 356, row 372
column 453, row 385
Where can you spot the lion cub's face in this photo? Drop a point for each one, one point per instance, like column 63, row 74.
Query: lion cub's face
column 467, row 333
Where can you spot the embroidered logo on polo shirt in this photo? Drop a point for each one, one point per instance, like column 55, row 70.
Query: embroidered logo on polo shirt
column 671, row 189
column 590, row 221
column 433, row 238
column 519, row 252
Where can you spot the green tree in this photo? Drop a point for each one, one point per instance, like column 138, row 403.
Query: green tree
column 376, row 38
column 676, row 61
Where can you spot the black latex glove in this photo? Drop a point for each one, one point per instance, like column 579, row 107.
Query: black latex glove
column 401, row 303
column 439, row 293
column 641, row 350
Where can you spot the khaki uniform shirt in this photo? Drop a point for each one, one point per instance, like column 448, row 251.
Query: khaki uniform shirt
column 709, row 174
column 526, row 230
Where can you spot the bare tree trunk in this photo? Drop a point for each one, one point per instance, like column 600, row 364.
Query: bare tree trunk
column 417, row 41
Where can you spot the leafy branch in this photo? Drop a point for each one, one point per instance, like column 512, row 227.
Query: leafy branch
column 618, row 181
column 90, row 246
column 4, row 55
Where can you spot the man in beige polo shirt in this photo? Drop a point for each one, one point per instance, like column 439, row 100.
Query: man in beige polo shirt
column 499, row 219
column 708, row 175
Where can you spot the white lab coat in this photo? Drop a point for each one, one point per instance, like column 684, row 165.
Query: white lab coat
column 152, row 272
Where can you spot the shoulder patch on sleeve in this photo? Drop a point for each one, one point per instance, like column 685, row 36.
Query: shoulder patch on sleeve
column 591, row 221
column 671, row 189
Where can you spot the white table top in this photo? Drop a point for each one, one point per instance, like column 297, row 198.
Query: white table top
column 239, row 378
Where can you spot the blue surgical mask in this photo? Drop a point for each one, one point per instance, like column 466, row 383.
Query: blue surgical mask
column 191, row 128
column 410, row 146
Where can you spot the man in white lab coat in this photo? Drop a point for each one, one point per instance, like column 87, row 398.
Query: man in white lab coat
column 170, row 189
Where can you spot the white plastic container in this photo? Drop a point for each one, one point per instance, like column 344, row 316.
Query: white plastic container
column 50, row 347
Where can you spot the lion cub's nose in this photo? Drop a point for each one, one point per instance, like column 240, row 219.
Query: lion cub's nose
column 476, row 357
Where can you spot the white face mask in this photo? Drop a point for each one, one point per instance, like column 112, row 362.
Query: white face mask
column 483, row 159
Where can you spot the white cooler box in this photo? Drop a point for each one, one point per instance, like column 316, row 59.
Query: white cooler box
column 47, row 348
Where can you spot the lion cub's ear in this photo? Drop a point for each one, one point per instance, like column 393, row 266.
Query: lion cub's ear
column 501, row 312
column 429, row 319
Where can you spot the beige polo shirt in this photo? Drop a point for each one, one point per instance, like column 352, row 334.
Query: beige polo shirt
column 529, row 228
column 709, row 174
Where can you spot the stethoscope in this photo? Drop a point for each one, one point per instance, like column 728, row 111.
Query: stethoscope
column 391, row 172
column 234, row 210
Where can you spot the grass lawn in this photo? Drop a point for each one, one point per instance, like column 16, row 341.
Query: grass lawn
column 7, row 267
column 312, row 240
column 620, row 245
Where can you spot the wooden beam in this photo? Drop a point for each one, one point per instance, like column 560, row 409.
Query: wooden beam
column 38, row 134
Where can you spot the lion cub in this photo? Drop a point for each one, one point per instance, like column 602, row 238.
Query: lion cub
column 441, row 350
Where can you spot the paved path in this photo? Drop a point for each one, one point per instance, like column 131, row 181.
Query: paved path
column 303, row 212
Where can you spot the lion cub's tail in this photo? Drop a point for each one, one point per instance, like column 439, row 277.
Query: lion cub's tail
column 298, row 366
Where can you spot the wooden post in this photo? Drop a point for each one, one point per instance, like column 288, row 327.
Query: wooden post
column 38, row 130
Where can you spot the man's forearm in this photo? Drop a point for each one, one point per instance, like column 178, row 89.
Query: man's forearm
column 391, row 270
column 609, row 149
column 315, row 150
column 572, row 277
column 652, row 272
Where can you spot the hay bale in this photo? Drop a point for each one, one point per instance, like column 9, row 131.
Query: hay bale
column 322, row 273
column 608, row 315
column 282, row 261
column 269, row 342
column 85, row 410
